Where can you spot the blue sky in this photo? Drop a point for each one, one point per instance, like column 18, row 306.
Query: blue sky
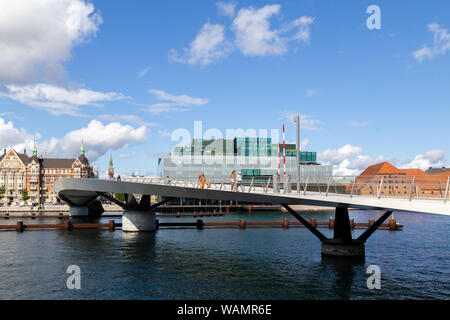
column 124, row 74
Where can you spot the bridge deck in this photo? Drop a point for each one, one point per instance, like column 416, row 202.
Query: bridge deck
column 80, row 190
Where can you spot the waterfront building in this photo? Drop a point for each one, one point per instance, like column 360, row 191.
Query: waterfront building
column 432, row 170
column 400, row 182
column 36, row 175
column 256, row 158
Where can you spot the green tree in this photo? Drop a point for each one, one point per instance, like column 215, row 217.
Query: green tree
column 119, row 196
column 24, row 193
column 2, row 192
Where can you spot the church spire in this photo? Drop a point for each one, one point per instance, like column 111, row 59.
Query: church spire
column 34, row 149
column 82, row 148
column 111, row 167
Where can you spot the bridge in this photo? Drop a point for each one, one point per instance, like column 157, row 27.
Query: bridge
column 416, row 194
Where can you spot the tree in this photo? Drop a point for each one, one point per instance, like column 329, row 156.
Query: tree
column 119, row 196
column 24, row 193
column 2, row 192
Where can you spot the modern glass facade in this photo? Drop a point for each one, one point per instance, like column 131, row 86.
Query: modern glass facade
column 254, row 157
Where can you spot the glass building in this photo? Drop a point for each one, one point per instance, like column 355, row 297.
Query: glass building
column 256, row 158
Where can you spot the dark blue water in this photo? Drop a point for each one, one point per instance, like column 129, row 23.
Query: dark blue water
column 227, row 263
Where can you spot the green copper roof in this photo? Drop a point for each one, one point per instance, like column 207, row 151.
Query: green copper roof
column 111, row 162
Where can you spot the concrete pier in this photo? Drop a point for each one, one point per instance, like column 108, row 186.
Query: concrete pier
column 138, row 221
column 339, row 249
column 79, row 211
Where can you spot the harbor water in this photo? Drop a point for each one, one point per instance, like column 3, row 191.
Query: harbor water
column 225, row 263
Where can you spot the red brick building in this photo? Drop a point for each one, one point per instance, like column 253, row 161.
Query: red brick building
column 36, row 175
column 400, row 182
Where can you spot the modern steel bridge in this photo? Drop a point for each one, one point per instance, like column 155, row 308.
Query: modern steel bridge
column 405, row 194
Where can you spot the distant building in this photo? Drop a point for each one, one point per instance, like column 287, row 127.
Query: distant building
column 438, row 170
column 400, row 182
column 36, row 175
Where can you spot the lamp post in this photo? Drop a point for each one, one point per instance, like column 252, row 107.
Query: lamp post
column 297, row 121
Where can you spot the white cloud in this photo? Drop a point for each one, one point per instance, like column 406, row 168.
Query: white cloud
column 164, row 133
column 17, row 138
column 208, row 47
column 36, row 37
column 433, row 158
column 355, row 123
column 253, row 34
column 98, row 139
column 348, row 160
column 306, row 122
column 127, row 118
column 127, row 155
column 303, row 25
column 441, row 43
column 226, row 9
column 311, row 93
column 57, row 100
column 172, row 102
column 143, row 72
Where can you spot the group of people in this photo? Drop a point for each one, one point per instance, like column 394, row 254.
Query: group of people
column 236, row 181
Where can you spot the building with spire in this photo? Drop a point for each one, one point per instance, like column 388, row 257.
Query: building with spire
column 110, row 168
column 36, row 175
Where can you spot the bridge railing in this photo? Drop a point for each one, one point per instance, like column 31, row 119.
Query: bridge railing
column 435, row 187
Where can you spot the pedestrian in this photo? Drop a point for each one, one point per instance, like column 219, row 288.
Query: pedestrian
column 240, row 187
column 233, row 180
column 202, row 180
column 118, row 178
column 168, row 180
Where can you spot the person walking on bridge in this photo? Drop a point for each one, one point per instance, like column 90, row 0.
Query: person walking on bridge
column 233, row 180
column 239, row 187
column 202, row 180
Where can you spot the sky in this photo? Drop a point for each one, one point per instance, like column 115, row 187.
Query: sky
column 123, row 76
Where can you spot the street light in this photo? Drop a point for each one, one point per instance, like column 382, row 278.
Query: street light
column 297, row 121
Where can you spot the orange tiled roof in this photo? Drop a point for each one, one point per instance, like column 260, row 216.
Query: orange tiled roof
column 380, row 168
column 413, row 172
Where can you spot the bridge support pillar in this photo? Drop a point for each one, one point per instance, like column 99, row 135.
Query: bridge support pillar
column 138, row 221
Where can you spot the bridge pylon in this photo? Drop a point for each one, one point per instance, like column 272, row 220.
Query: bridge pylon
column 342, row 245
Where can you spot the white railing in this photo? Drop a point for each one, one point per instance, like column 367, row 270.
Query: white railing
column 435, row 187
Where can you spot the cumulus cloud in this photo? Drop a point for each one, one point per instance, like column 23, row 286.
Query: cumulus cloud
column 36, row 37
column 441, row 43
column 254, row 35
column 173, row 102
column 57, row 100
column 209, row 46
column 17, row 138
column 348, row 160
column 98, row 139
column 226, row 9
column 433, row 158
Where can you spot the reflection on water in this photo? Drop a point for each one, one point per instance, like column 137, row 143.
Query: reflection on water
column 225, row 263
